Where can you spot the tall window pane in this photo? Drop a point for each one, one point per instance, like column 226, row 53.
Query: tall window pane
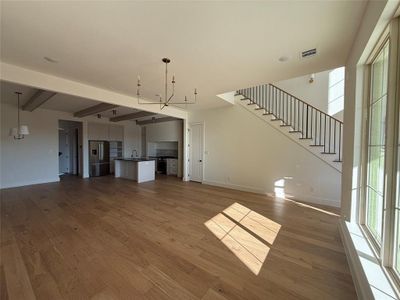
column 397, row 237
column 376, row 144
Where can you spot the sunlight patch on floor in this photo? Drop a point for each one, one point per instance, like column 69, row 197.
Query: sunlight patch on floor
column 242, row 231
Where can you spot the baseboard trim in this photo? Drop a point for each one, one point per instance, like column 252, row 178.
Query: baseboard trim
column 235, row 187
column 310, row 199
column 32, row 182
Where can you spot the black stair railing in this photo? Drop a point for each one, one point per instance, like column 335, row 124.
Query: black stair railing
column 311, row 123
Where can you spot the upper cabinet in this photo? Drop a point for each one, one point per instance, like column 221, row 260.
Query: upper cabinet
column 116, row 132
column 105, row 132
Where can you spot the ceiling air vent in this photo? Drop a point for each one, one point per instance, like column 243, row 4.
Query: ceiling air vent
column 309, row 53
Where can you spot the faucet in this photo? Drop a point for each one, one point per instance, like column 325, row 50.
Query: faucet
column 134, row 151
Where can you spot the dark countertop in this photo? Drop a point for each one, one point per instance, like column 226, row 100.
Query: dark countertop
column 138, row 159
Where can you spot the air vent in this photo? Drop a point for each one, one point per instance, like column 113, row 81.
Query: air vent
column 309, row 53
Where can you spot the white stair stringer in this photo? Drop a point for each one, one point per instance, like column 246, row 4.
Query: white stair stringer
column 295, row 137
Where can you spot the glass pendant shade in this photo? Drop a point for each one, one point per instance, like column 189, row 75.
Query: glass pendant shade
column 23, row 129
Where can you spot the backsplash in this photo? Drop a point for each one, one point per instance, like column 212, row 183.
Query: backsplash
column 167, row 152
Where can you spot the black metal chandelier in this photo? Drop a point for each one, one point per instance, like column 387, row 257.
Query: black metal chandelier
column 167, row 99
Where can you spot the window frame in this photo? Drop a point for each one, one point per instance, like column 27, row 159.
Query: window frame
column 383, row 40
column 386, row 252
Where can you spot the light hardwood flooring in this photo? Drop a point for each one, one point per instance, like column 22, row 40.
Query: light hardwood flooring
column 107, row 238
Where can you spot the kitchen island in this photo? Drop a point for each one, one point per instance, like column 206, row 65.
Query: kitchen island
column 137, row 169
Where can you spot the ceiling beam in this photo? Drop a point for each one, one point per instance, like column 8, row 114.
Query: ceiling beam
column 96, row 109
column 40, row 97
column 132, row 116
column 156, row 120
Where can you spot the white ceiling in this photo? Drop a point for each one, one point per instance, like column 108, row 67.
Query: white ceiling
column 214, row 46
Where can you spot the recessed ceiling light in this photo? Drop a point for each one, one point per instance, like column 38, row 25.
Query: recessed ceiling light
column 283, row 59
column 51, row 60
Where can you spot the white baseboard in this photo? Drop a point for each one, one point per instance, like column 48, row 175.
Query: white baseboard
column 235, row 187
column 31, row 182
column 310, row 199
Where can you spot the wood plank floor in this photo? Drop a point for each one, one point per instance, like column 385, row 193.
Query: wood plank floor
column 107, row 238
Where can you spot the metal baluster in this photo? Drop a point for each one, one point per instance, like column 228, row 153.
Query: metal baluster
column 306, row 121
column 324, row 133
column 311, row 122
column 340, row 140
column 315, row 128
column 334, row 136
column 330, row 131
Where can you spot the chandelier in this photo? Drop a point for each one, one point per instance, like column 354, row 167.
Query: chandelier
column 167, row 99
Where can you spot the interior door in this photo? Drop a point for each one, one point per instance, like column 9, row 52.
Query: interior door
column 196, row 152
column 63, row 152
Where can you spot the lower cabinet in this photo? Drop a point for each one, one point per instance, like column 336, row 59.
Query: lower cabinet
column 172, row 166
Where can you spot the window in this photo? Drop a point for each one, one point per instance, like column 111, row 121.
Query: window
column 397, row 207
column 375, row 178
column 380, row 199
column 336, row 91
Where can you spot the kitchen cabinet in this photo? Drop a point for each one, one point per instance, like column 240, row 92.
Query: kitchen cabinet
column 172, row 166
column 98, row 131
column 116, row 133
column 105, row 132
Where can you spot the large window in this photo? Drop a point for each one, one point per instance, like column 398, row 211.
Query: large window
column 380, row 200
column 375, row 184
column 397, row 209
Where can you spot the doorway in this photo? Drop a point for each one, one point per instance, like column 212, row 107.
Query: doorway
column 69, row 147
column 196, row 149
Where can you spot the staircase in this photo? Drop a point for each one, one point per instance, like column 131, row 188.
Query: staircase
column 305, row 122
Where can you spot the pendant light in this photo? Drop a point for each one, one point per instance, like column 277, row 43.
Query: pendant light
column 20, row 131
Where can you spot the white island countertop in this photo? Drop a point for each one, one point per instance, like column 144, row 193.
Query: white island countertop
column 137, row 169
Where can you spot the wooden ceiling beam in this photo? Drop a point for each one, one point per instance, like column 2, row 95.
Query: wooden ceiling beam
column 156, row 120
column 96, row 109
column 40, row 97
column 132, row 116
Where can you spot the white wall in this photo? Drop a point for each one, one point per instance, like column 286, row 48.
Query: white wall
column 243, row 152
column 35, row 158
column 167, row 132
column 132, row 139
column 316, row 93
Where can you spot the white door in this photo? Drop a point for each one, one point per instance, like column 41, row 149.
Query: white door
column 196, row 152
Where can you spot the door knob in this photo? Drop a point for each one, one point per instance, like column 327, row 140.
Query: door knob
column 200, row 160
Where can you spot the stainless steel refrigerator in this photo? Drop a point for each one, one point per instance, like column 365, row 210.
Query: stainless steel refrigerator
column 99, row 158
